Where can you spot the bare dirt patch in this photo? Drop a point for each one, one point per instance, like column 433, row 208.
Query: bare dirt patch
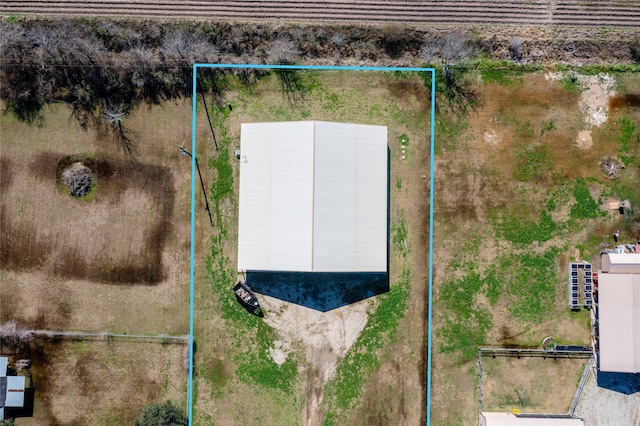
column 584, row 140
column 594, row 101
column 326, row 337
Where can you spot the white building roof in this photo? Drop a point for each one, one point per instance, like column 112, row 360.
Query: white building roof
column 15, row 391
column 619, row 322
column 14, row 394
column 313, row 197
column 621, row 263
column 508, row 419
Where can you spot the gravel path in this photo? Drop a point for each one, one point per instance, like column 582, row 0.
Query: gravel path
column 615, row 403
column 621, row 13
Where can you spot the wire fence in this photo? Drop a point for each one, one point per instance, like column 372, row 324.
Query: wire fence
column 583, row 382
column 30, row 335
column 580, row 353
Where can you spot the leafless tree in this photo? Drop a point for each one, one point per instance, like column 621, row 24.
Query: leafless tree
column 113, row 115
column 15, row 336
column 282, row 51
column 338, row 40
column 452, row 49
column 429, row 52
column 457, row 47
column 515, row 49
column 236, row 41
column 77, row 178
column 453, row 52
column 118, row 35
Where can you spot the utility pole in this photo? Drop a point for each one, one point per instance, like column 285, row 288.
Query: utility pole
column 206, row 201
column 206, row 108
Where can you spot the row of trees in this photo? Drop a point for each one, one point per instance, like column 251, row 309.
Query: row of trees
column 102, row 68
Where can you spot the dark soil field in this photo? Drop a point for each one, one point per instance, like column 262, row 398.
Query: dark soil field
column 24, row 251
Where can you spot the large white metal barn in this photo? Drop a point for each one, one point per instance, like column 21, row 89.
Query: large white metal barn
column 313, row 197
column 618, row 313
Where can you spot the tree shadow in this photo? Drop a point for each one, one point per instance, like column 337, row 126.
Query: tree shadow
column 322, row 291
column 27, row 111
column 625, row 383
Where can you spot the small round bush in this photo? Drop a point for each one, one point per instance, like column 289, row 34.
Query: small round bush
column 162, row 414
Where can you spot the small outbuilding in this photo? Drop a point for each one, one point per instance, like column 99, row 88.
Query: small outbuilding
column 12, row 388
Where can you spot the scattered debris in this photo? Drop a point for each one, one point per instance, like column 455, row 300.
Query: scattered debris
column 611, row 167
column 594, row 102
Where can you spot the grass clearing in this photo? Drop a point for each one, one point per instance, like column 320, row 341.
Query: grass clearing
column 516, row 197
column 531, row 385
column 241, row 370
column 115, row 261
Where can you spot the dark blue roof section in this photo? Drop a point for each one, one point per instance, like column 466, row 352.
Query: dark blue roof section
column 322, row 291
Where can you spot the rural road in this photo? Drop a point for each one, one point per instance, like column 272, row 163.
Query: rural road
column 597, row 13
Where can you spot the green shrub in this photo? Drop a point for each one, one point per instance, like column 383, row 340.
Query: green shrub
column 162, row 414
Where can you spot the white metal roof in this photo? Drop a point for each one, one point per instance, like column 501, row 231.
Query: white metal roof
column 508, row 419
column 621, row 263
column 619, row 322
column 313, row 197
column 4, row 361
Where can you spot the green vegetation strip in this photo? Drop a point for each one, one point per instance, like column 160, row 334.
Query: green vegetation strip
column 252, row 337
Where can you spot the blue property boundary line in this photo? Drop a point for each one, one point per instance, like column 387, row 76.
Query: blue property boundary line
column 194, row 101
column 193, row 192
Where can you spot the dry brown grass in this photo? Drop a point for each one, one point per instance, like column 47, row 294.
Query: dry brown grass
column 117, row 262
column 102, row 383
column 548, row 384
column 80, row 264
